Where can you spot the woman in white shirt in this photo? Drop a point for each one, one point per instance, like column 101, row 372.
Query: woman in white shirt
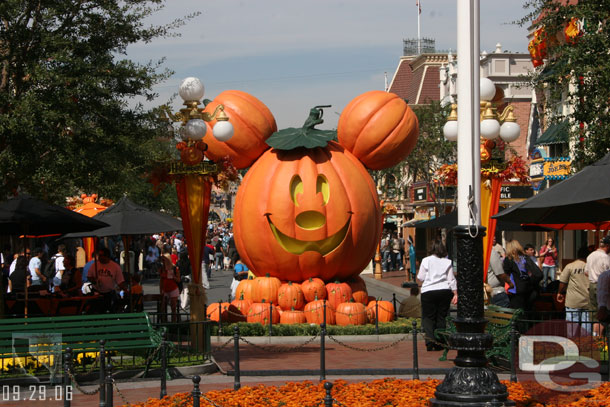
column 438, row 292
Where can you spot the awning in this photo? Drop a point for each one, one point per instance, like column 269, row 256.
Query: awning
column 555, row 134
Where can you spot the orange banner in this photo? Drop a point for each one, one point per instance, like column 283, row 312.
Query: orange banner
column 194, row 199
column 490, row 199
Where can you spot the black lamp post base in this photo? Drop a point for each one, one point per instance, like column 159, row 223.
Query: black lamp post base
column 470, row 383
column 463, row 387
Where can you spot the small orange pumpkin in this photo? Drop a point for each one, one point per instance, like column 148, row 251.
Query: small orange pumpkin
column 252, row 122
column 266, row 289
column 290, row 296
column 338, row 293
column 314, row 313
column 242, row 306
column 386, row 311
column 358, row 286
column 262, row 312
column 313, row 287
column 292, row 317
column 245, row 289
column 379, row 128
column 351, row 313
column 227, row 311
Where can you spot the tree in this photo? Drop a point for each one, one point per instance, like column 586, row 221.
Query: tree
column 574, row 40
column 431, row 151
column 65, row 122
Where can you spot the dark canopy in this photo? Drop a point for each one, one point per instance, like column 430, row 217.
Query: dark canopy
column 450, row 221
column 582, row 198
column 30, row 216
column 127, row 218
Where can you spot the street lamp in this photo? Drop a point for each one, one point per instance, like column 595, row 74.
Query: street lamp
column 470, row 382
column 193, row 184
column 493, row 124
column 193, row 117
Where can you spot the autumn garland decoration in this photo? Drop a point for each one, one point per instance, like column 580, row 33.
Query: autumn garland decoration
column 514, row 168
column 382, row 392
column 159, row 176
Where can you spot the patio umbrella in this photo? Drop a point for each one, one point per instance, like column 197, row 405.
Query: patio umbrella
column 90, row 209
column 128, row 218
column 24, row 215
column 584, row 199
column 450, row 220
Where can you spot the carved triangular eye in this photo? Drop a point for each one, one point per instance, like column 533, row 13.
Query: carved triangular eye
column 296, row 188
column 323, row 188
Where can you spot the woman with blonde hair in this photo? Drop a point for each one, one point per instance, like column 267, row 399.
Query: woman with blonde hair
column 524, row 274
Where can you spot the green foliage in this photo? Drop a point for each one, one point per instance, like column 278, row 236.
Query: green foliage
column 576, row 74
column 65, row 122
column 402, row 325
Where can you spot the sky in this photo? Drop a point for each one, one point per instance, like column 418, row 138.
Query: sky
column 293, row 55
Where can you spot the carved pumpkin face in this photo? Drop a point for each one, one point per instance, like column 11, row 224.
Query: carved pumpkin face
column 307, row 213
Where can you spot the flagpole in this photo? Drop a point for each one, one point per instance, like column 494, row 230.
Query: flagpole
column 418, row 27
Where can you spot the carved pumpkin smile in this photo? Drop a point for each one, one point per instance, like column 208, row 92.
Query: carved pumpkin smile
column 323, row 246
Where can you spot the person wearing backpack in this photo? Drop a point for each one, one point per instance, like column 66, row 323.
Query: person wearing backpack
column 524, row 275
column 37, row 278
column 57, row 268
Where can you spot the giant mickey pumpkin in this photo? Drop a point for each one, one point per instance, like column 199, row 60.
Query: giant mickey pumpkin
column 308, row 207
column 307, row 213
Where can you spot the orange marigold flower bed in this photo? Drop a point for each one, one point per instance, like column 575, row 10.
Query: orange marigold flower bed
column 383, row 392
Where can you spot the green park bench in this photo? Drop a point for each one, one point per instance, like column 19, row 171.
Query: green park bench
column 130, row 334
column 499, row 325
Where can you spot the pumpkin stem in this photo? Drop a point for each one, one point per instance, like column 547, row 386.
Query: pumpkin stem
column 241, row 297
column 268, row 275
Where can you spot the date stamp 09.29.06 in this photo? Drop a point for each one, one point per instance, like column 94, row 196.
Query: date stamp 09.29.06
column 35, row 393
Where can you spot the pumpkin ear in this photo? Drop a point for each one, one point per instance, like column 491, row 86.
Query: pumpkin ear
column 379, row 128
column 252, row 122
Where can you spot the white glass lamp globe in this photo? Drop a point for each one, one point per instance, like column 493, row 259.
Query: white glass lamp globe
column 490, row 129
column 450, row 130
column 191, row 89
column 223, row 130
column 195, row 129
column 509, row 131
column 487, row 89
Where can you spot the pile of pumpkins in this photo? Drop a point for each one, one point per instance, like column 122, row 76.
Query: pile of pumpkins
column 267, row 299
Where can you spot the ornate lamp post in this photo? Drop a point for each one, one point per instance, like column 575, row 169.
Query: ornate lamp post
column 194, row 185
column 470, row 382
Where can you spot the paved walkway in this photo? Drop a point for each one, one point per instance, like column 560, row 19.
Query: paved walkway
column 384, row 352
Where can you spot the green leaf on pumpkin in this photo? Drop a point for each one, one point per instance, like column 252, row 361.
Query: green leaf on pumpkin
column 306, row 136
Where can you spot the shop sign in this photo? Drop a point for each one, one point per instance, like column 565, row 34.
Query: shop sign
column 537, row 170
column 515, row 192
column 420, row 194
column 557, row 168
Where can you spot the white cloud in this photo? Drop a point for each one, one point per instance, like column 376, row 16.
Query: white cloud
column 294, row 55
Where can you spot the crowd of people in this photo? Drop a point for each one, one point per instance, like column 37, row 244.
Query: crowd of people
column 62, row 270
column 517, row 277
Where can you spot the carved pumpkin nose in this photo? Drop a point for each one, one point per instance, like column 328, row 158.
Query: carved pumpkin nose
column 310, row 220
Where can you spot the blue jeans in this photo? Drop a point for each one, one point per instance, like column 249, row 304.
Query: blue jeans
column 386, row 262
column 580, row 321
column 501, row 300
column 548, row 271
